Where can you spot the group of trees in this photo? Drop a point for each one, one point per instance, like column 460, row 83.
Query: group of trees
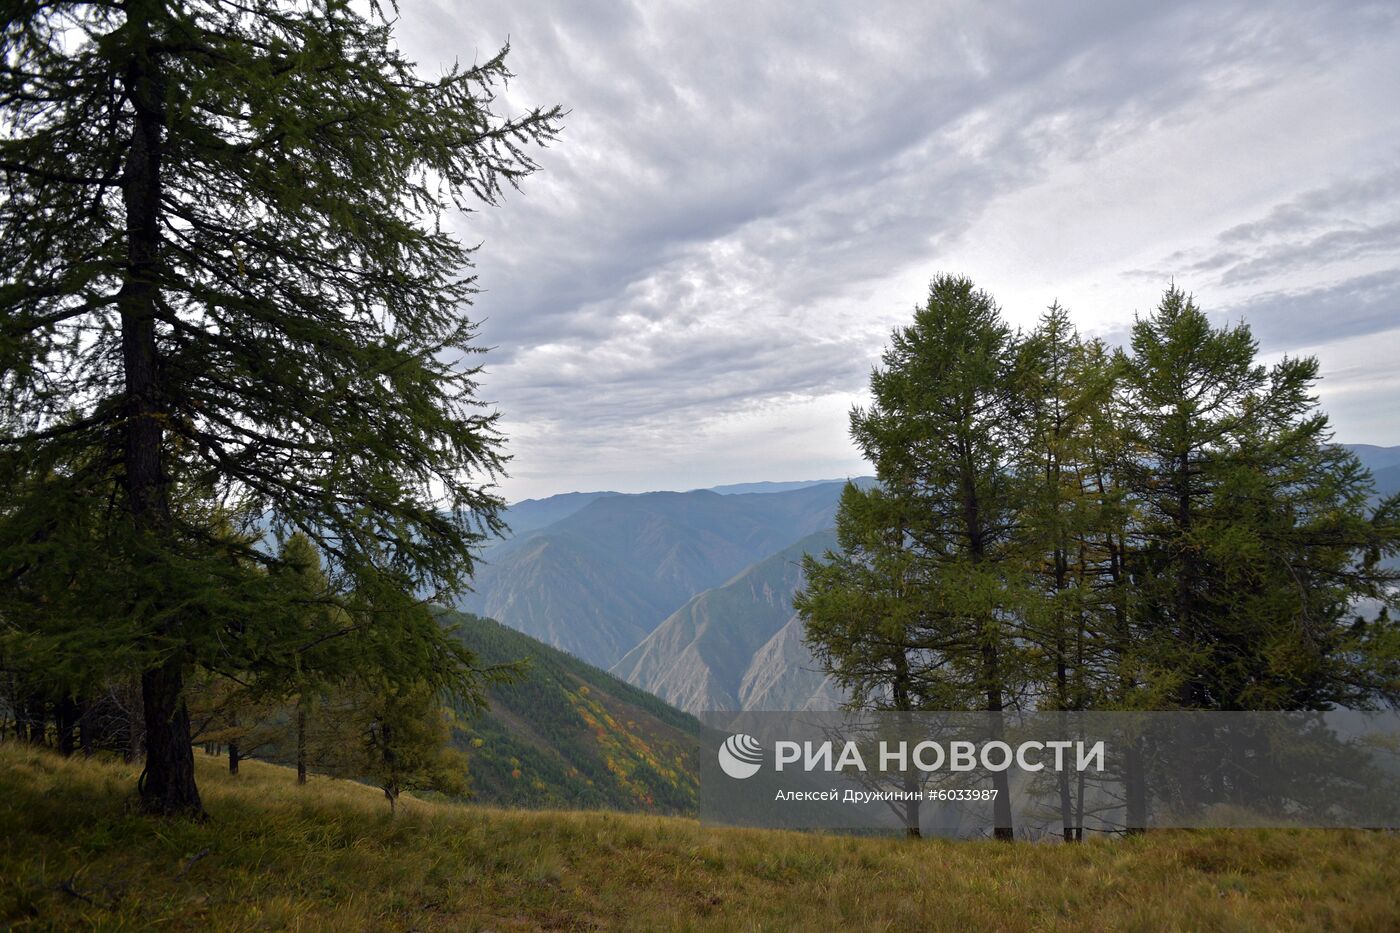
column 331, row 712
column 231, row 314
column 1062, row 525
column 326, row 708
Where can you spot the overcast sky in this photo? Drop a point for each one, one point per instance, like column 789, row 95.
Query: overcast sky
column 748, row 196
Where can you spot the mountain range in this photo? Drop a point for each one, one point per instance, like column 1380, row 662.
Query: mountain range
column 688, row 595
column 1384, row 464
column 596, row 581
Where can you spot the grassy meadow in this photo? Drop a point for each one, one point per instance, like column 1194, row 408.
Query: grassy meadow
column 329, row 856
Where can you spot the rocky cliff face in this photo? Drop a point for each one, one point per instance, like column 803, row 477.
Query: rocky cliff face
column 737, row 646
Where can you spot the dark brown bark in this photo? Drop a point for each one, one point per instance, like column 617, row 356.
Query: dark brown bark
column 234, row 757
column 1067, row 826
column 912, row 809
column 66, row 716
column 167, row 784
column 991, row 667
column 141, row 189
column 1079, row 808
column 1001, row 782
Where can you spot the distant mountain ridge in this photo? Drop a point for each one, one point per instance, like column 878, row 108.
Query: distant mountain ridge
column 597, row 581
column 1384, row 464
column 763, row 487
column 688, row 594
column 1375, row 458
column 529, row 514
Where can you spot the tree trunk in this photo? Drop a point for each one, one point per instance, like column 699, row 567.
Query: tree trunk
column 1001, row 783
column 233, row 757
column 911, row 809
column 1066, row 805
column 301, row 742
column 1001, row 805
column 902, row 702
column 991, row 662
column 66, row 718
column 1079, row 808
column 167, row 784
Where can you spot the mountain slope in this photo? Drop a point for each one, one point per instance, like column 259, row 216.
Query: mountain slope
column 529, row 514
column 567, row 594
column 736, row 646
column 769, row 486
column 1387, row 480
column 570, row 735
column 1375, row 458
column 784, row 676
column 599, row 580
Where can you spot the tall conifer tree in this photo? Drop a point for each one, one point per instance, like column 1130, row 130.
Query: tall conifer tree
column 945, row 406
column 224, row 275
column 1254, row 535
column 862, row 605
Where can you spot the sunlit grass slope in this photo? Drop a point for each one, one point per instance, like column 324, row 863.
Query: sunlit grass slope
column 329, row 856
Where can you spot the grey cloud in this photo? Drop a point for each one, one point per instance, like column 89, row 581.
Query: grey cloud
column 1336, row 201
column 1332, row 246
column 1326, row 236
column 773, row 116
column 1281, row 320
column 735, row 178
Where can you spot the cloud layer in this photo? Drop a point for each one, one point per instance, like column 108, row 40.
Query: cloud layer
column 748, row 196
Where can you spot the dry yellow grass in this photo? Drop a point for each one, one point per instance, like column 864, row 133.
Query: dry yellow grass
column 329, row 857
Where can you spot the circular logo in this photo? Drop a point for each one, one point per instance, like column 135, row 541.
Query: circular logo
column 740, row 756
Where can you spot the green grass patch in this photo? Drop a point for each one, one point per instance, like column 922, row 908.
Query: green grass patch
column 329, row 856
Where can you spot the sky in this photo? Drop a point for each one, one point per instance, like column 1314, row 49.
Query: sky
column 748, row 196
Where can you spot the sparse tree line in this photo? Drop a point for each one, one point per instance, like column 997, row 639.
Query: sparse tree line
column 325, row 711
column 1064, row 525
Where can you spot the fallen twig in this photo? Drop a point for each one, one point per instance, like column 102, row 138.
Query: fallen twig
column 190, row 863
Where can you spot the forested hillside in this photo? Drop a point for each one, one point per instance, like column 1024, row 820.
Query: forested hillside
column 566, row 734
